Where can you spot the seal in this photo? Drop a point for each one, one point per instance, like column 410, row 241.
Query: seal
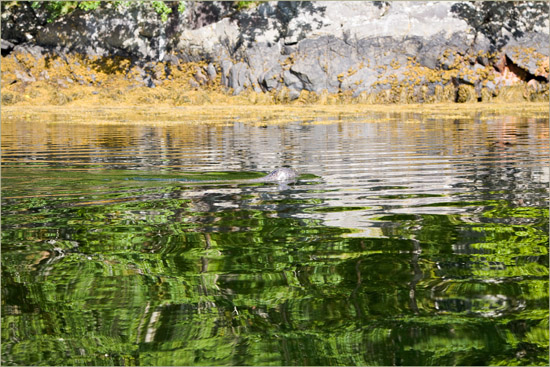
column 282, row 175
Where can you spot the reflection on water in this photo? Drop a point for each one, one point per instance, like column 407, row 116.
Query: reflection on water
column 412, row 241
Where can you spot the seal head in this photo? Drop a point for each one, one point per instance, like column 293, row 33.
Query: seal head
column 282, row 174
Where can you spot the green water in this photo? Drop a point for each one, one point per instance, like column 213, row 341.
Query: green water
column 401, row 244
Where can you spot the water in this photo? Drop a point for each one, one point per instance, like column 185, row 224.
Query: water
column 408, row 240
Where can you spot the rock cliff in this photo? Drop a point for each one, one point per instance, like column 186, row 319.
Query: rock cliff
column 386, row 51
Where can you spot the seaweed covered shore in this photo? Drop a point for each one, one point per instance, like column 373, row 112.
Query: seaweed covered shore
column 326, row 53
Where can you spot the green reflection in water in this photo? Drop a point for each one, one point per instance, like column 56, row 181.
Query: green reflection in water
column 98, row 269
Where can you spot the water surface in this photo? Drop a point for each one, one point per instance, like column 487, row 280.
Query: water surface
column 409, row 239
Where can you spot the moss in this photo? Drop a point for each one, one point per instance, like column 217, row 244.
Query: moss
column 466, row 93
column 511, row 94
column 60, row 98
column 486, row 95
column 243, row 5
column 10, row 98
column 281, row 96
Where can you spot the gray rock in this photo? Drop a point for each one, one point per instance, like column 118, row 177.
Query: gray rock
column 261, row 57
column 199, row 76
column 193, row 83
column 239, row 77
column 361, row 79
column 171, row 58
column 203, row 13
column 311, row 74
column 211, row 72
column 537, row 41
column 226, row 67
column 319, row 62
column 7, row 46
column 24, row 77
column 133, row 30
column 314, row 46
column 470, row 76
column 271, row 79
column 293, row 94
column 522, row 54
column 376, row 51
column 29, row 48
column 292, row 81
column 430, row 50
column 288, row 50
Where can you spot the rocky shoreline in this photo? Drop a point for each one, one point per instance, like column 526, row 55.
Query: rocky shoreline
column 279, row 52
